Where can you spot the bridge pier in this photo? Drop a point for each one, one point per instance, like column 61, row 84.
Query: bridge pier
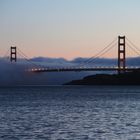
column 13, row 54
column 121, row 54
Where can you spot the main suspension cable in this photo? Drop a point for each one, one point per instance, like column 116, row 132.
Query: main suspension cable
column 108, row 47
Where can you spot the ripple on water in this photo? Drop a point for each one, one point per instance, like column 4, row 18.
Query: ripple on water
column 70, row 113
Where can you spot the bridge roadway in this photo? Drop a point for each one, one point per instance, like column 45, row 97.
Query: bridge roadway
column 78, row 69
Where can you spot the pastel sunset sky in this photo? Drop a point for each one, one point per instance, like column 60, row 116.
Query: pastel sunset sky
column 67, row 28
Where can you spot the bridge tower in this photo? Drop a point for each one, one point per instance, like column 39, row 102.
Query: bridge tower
column 121, row 54
column 13, row 54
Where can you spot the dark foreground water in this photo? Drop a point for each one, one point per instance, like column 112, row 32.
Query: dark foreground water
column 70, row 113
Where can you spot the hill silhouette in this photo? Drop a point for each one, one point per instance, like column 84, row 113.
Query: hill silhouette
column 127, row 78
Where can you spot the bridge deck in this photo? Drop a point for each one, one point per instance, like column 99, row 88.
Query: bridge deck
column 37, row 70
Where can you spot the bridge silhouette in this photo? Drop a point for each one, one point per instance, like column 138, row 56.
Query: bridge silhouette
column 121, row 67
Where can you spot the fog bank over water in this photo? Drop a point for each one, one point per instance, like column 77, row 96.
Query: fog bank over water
column 12, row 74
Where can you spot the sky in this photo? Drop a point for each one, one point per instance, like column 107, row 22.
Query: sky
column 67, row 28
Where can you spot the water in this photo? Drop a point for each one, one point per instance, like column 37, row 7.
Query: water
column 70, row 113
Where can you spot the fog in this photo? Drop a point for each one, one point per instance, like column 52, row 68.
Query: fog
column 16, row 74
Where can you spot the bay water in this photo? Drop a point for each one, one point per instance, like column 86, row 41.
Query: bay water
column 70, row 113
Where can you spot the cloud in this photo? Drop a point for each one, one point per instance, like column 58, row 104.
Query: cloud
column 12, row 74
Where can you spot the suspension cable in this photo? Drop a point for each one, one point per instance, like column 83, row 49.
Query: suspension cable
column 137, row 48
column 108, row 47
column 101, row 54
column 138, row 53
column 94, row 60
column 26, row 58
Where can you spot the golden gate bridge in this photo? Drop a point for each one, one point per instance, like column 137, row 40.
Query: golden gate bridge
column 121, row 42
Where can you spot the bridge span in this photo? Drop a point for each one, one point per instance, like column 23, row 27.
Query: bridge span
column 40, row 70
column 121, row 67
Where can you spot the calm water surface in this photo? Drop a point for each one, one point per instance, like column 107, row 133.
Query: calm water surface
column 70, row 113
